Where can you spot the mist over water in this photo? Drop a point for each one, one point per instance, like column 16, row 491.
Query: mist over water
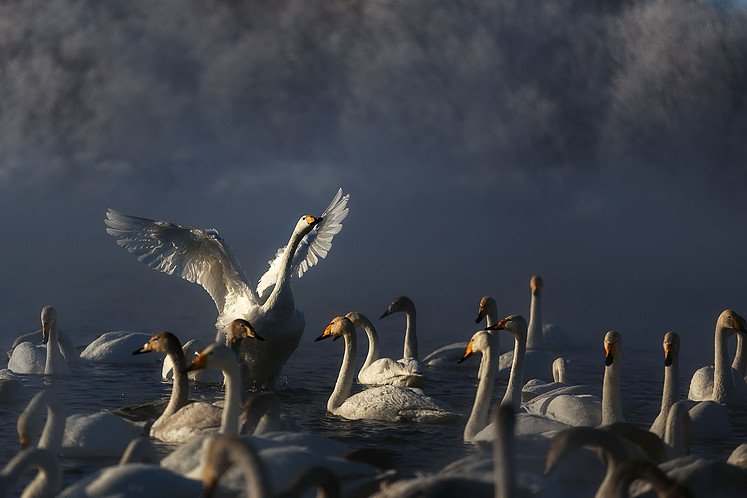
column 600, row 144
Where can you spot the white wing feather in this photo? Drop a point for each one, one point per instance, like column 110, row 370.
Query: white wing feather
column 312, row 248
column 196, row 255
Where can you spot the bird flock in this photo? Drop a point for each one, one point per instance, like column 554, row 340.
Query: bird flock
column 547, row 436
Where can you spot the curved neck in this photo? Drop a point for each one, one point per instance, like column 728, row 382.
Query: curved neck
column 239, row 453
column 722, row 380
column 323, row 480
column 269, row 421
column 373, row 342
column 740, row 358
column 284, row 275
column 503, row 460
column 669, row 395
column 54, row 356
column 180, row 385
column 48, row 479
column 534, row 331
column 229, row 419
column 676, row 435
column 54, row 427
column 478, row 418
column 512, row 397
column 611, row 405
column 558, row 371
column 344, row 384
column 411, row 338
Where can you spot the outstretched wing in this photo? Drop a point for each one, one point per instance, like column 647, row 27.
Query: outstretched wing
column 197, row 255
column 314, row 246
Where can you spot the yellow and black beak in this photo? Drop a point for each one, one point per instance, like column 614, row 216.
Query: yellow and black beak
column 250, row 332
column 327, row 333
column 609, row 356
column 312, row 220
column 500, row 325
column 199, row 363
column 144, row 349
column 467, row 353
column 481, row 314
column 667, row 355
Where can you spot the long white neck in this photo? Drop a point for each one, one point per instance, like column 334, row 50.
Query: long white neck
column 47, row 481
column 503, row 458
column 411, row 337
column 611, row 404
column 512, row 397
column 740, row 358
column 54, row 426
column 279, row 295
column 491, row 318
column 180, row 385
column 722, row 380
column 55, row 363
column 558, row 370
column 534, row 331
column 229, row 419
column 676, row 434
column 344, row 384
column 373, row 342
column 669, row 395
column 478, row 418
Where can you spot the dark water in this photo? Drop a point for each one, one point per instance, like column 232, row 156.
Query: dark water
column 311, row 374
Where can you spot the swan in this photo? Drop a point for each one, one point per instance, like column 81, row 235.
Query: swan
column 627, row 472
column 738, row 457
column 449, row 355
column 385, row 403
column 678, row 431
column 719, row 382
column 201, row 256
column 707, row 478
column 26, row 359
column 181, row 420
column 534, row 387
column 477, row 428
column 116, row 347
column 740, row 356
column 99, row 434
column 48, row 479
column 378, row 371
column 49, row 321
column 710, row 420
column 405, row 305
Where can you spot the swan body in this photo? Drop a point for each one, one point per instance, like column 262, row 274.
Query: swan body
column 377, row 371
column 449, row 355
column 116, row 347
column 534, row 387
column 721, row 383
column 134, row 479
column 384, row 403
column 201, row 256
column 49, row 321
column 48, row 479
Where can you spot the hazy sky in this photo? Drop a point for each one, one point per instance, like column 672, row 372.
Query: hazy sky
column 600, row 144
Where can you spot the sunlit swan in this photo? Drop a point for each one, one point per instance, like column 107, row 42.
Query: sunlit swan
column 99, row 434
column 485, row 343
column 377, row 371
column 116, row 347
column 181, row 420
column 26, row 356
column 48, row 479
column 449, row 355
column 631, row 470
column 385, row 403
column 48, row 322
column 203, row 257
column 10, row 388
column 720, row 383
column 710, row 420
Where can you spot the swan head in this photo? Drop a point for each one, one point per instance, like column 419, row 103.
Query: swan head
column 402, row 303
column 214, row 356
column 359, row 319
column 612, row 345
column 48, row 320
column 535, row 283
column 481, row 342
column 306, row 223
column 516, row 324
column 161, row 342
column 487, row 305
column 671, row 347
column 239, row 329
column 338, row 327
column 731, row 321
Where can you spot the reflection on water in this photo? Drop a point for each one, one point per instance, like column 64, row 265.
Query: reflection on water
column 311, row 375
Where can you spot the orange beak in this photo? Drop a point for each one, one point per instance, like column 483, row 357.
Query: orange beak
column 199, row 363
column 499, row 326
column 467, row 353
column 327, row 333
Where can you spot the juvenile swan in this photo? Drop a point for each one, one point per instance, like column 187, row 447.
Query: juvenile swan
column 201, row 256
column 385, row 403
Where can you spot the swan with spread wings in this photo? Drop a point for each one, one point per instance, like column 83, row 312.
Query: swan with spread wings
column 202, row 256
